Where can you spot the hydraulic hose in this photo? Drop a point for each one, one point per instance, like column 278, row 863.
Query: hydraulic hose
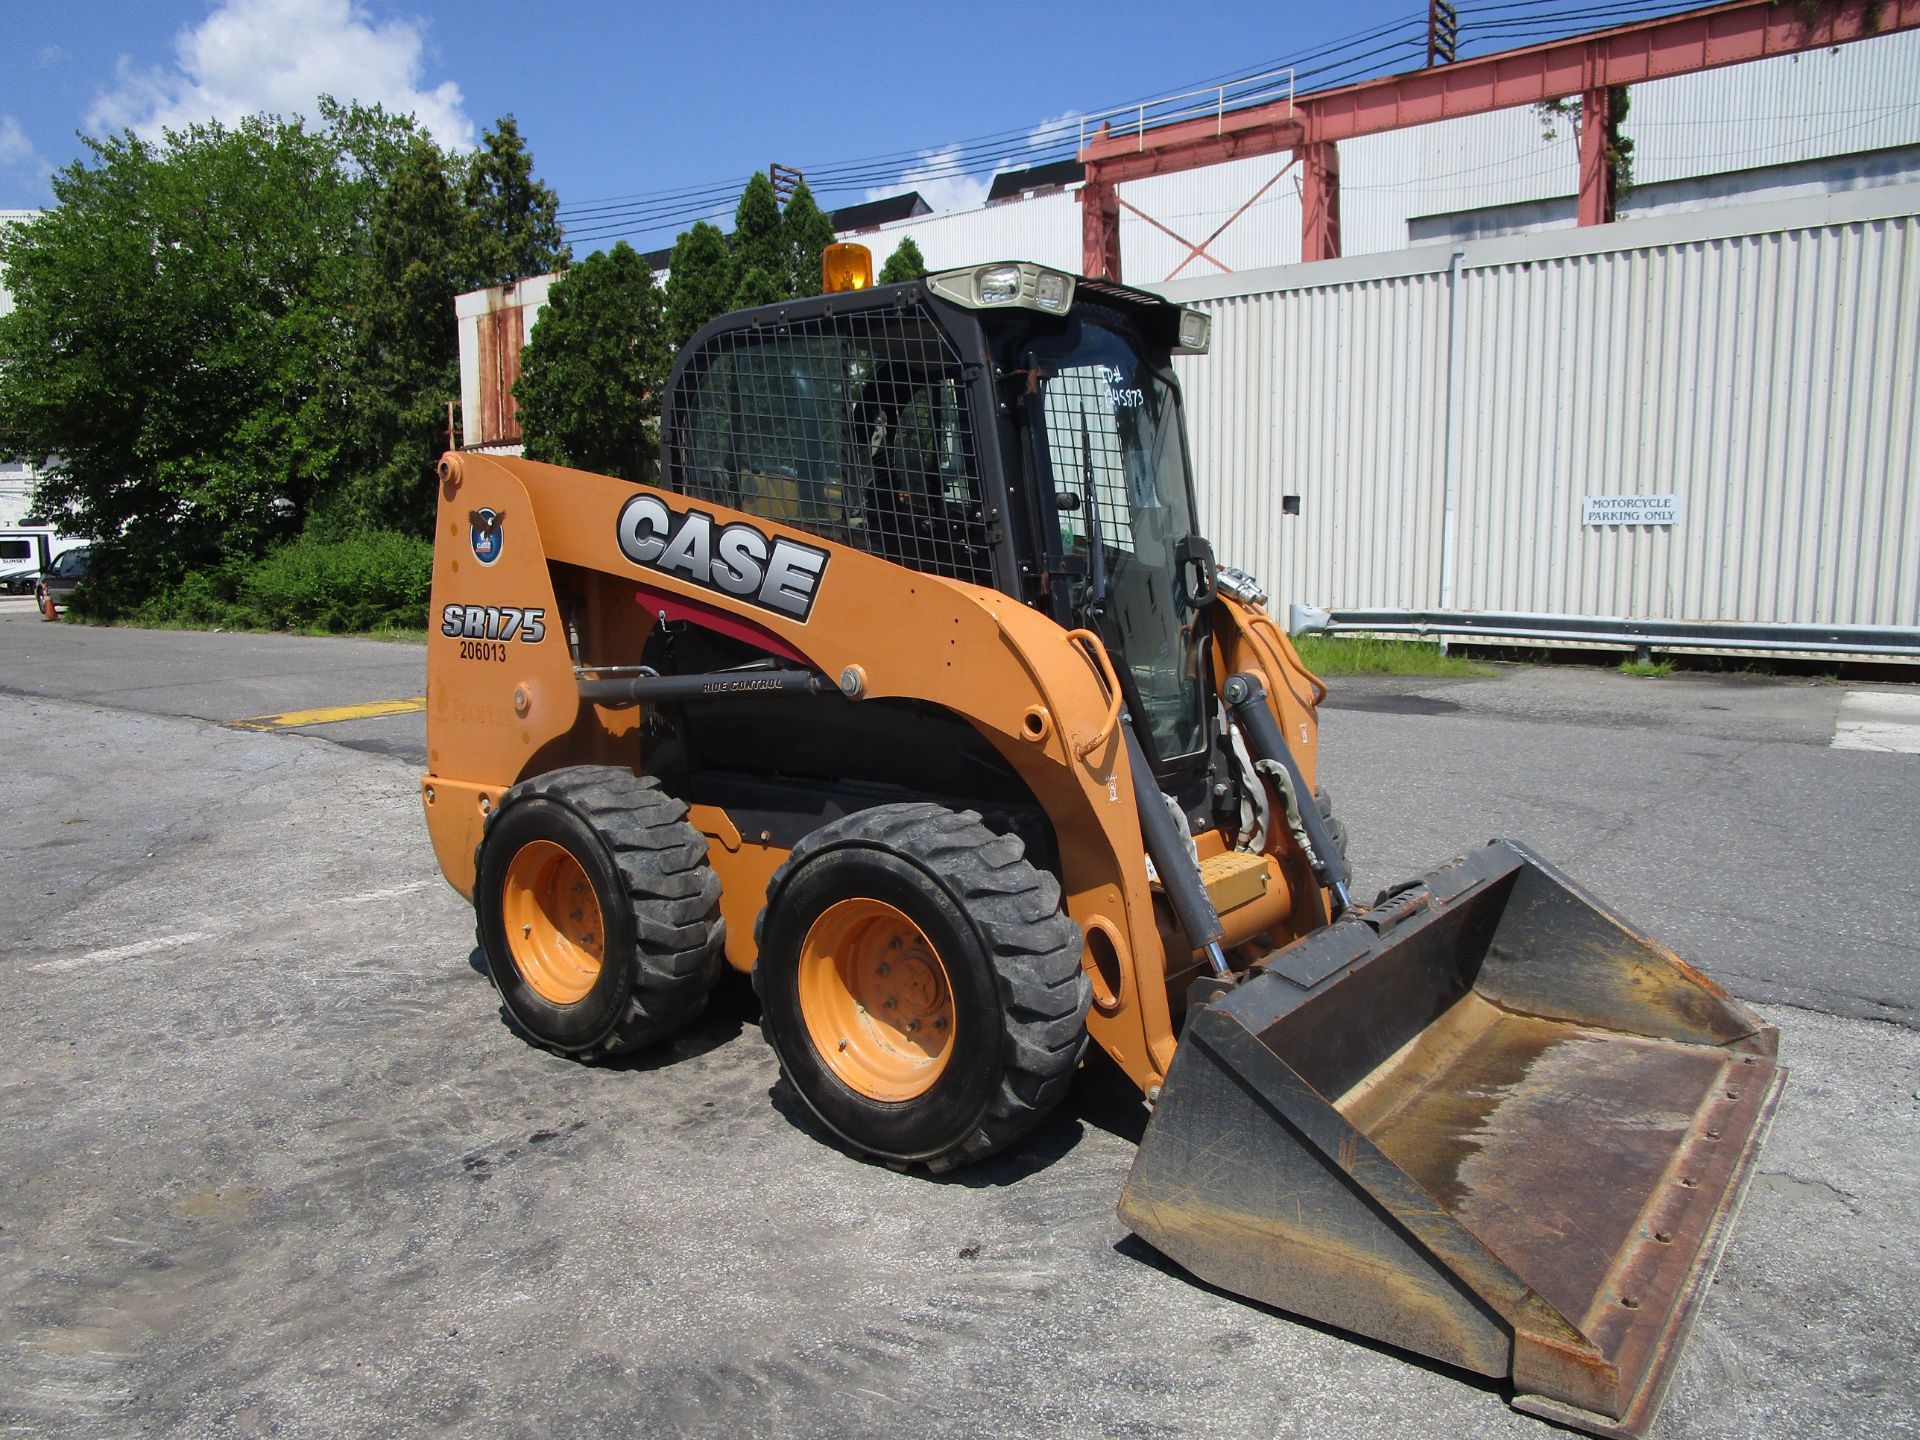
column 1248, row 697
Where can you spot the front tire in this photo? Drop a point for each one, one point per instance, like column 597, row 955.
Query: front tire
column 1336, row 827
column 598, row 912
column 920, row 984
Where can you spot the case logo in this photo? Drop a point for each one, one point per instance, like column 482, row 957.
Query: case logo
column 485, row 527
column 736, row 560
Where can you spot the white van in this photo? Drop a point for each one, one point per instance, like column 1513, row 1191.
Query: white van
column 26, row 550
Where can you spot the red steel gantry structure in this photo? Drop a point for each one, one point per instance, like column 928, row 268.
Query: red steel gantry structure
column 1590, row 66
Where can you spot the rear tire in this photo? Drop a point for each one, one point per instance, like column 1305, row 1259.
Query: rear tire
column 920, row 984
column 598, row 912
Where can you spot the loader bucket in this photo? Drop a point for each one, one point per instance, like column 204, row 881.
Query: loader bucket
column 1486, row 1121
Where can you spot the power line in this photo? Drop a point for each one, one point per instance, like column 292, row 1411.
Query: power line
column 1342, row 61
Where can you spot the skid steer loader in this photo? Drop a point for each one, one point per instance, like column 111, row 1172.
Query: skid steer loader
column 912, row 689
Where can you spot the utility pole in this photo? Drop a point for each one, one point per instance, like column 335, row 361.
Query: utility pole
column 1443, row 32
column 784, row 178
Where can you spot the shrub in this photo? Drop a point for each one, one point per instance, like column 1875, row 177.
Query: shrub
column 372, row 580
column 359, row 582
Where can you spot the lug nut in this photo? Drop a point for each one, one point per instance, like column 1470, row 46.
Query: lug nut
column 913, row 1027
column 882, row 968
column 889, row 1003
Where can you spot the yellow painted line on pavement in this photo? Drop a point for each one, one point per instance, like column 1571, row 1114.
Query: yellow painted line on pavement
column 332, row 714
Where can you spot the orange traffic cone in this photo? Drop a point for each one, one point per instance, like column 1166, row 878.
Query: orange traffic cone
column 47, row 609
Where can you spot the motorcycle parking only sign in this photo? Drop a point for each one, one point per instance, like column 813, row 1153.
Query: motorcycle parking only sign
column 1630, row 510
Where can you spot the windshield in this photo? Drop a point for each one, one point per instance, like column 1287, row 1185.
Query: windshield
column 1112, row 440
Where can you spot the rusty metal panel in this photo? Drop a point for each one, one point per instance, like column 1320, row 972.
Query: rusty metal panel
column 501, row 336
column 494, row 326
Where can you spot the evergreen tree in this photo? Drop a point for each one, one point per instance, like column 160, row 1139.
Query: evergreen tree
column 807, row 232
column 700, row 282
column 758, row 286
column 905, row 263
column 418, row 259
column 590, row 382
column 516, row 224
column 758, row 246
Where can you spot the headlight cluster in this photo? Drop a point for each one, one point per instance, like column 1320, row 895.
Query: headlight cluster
column 983, row 287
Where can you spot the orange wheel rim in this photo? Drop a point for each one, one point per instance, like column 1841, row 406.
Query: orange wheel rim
column 876, row 999
column 552, row 917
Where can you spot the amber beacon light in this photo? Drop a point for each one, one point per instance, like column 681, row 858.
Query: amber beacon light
column 845, row 266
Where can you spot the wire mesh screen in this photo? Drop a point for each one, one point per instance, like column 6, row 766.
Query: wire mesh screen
column 854, row 427
column 1084, row 413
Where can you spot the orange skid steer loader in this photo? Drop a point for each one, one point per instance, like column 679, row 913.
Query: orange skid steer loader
column 913, row 690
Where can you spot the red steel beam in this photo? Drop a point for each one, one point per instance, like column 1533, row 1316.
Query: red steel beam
column 1694, row 40
column 1597, row 136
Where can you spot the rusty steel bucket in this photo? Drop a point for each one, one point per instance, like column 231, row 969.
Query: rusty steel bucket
column 1486, row 1121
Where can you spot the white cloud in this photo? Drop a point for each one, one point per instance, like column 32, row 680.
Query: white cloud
column 280, row 56
column 944, row 188
column 939, row 184
column 1059, row 130
column 16, row 150
column 49, row 55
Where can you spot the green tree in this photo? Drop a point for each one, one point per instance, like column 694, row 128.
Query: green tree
column 590, row 382
column 178, row 341
column 806, row 232
column 758, row 285
column 418, row 257
column 699, row 282
column 905, row 263
column 758, row 246
column 516, row 224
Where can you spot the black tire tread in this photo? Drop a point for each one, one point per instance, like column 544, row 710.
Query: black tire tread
column 1035, row 949
column 672, row 890
column 1336, row 827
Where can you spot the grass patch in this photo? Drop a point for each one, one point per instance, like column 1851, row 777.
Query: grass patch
column 1647, row 669
column 1364, row 655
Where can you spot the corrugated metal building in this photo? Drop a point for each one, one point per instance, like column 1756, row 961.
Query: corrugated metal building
column 1758, row 363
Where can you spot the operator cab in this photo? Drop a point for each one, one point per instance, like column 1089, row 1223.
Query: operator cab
column 1004, row 425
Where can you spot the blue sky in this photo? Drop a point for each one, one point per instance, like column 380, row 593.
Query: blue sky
column 632, row 100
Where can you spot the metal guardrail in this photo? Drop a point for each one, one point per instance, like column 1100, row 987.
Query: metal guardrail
column 1262, row 89
column 1892, row 641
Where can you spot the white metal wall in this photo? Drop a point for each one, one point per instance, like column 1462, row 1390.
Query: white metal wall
column 1762, row 362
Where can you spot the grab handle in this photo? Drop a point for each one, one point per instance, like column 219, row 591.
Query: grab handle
column 1096, row 650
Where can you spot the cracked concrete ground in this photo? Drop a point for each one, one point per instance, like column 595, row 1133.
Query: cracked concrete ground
column 274, row 1165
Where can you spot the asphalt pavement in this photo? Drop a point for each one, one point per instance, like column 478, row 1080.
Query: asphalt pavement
column 274, row 1165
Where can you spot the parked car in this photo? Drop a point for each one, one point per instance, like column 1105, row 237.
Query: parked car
column 60, row 579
